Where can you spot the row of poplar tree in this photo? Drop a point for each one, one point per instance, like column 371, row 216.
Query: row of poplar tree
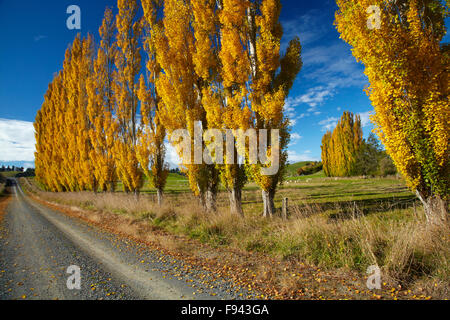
column 340, row 147
column 105, row 120
column 345, row 153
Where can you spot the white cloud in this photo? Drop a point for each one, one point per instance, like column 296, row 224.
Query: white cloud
column 290, row 111
column 17, row 142
column 308, row 27
column 334, row 66
column 27, row 165
column 295, row 137
column 293, row 156
column 172, row 157
column 328, row 65
column 365, row 118
column 314, row 97
column 329, row 123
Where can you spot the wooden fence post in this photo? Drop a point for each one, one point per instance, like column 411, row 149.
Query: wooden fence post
column 284, row 212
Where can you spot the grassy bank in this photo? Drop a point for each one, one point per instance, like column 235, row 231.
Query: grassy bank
column 2, row 184
column 334, row 224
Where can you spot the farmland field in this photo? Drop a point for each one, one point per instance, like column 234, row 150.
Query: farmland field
column 316, row 188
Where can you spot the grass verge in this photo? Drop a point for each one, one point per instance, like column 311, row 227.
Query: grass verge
column 321, row 251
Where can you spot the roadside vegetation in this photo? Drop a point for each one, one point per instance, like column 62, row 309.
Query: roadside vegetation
column 334, row 223
column 4, row 198
column 2, row 184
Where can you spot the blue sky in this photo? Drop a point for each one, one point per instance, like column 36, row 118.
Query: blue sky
column 34, row 38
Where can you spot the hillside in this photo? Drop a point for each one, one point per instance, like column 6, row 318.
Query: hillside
column 291, row 170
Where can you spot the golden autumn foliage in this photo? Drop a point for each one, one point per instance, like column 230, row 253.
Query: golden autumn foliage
column 62, row 125
column 231, row 110
column 101, row 106
column 151, row 149
column 181, row 89
column 221, row 62
column 46, row 160
column 128, row 64
column 209, row 65
column 340, row 148
column 408, row 75
column 270, row 87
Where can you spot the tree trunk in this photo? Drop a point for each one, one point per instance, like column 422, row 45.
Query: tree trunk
column 94, row 184
column 159, row 194
column 269, row 205
column 210, row 201
column 136, row 195
column 201, row 200
column 435, row 208
column 235, row 196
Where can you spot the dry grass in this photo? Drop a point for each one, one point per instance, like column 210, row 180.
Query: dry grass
column 410, row 253
column 2, row 184
column 5, row 198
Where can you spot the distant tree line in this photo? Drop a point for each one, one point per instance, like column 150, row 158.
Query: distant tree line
column 372, row 160
column 11, row 169
column 21, row 172
column 345, row 153
column 30, row 172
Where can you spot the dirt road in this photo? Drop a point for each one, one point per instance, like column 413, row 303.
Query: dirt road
column 38, row 245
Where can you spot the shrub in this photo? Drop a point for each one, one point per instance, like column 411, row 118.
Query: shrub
column 310, row 168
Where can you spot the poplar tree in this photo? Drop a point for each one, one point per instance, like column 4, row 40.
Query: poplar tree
column 326, row 156
column 101, row 107
column 180, row 88
column 85, row 175
column 408, row 73
column 151, row 149
column 46, row 127
column 340, row 148
column 128, row 64
column 75, row 123
column 270, row 87
column 223, row 90
column 70, row 83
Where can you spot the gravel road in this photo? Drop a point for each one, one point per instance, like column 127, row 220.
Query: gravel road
column 38, row 245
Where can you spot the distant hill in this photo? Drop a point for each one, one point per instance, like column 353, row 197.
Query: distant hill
column 291, row 170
